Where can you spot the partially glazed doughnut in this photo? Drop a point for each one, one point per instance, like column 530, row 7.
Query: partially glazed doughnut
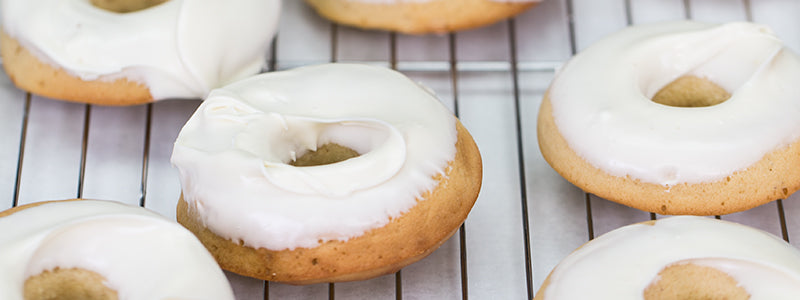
column 688, row 150
column 420, row 16
column 133, row 51
column 684, row 257
column 393, row 174
column 89, row 249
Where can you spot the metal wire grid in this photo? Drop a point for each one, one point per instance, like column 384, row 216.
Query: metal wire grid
column 454, row 68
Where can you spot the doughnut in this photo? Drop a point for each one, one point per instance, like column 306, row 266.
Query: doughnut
column 684, row 257
column 126, row 52
column 326, row 173
column 419, row 16
column 92, row 249
column 678, row 118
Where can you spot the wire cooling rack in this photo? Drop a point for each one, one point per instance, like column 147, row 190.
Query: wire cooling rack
column 527, row 217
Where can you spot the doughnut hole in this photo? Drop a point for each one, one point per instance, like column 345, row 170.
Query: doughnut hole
column 125, row 6
column 689, row 282
column 67, row 284
column 326, row 154
column 691, row 91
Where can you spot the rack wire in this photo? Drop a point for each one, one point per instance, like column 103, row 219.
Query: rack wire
column 527, row 217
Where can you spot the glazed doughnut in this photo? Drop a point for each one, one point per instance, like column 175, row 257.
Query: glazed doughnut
column 688, row 150
column 133, row 51
column 90, row 249
column 684, row 257
column 419, row 16
column 392, row 174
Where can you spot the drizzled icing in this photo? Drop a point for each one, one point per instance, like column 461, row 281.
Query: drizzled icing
column 179, row 49
column 233, row 154
column 623, row 262
column 601, row 101
column 139, row 253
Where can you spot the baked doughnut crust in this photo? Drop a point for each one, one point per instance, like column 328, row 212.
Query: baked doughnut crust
column 29, row 73
column 124, row 6
column 380, row 251
column 775, row 176
column 68, row 284
column 437, row 16
column 690, row 281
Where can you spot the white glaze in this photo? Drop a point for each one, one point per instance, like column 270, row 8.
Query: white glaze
column 140, row 254
column 232, row 154
column 623, row 262
column 179, row 49
column 602, row 107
